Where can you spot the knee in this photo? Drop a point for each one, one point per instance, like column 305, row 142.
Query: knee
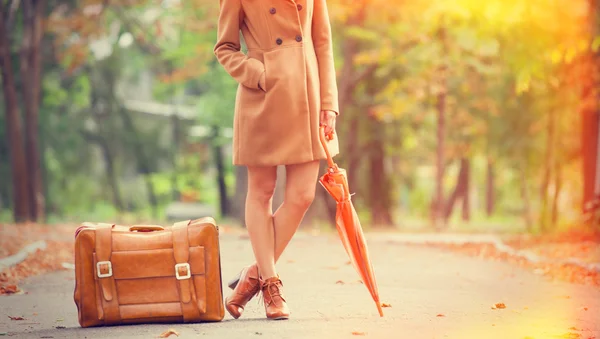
column 302, row 199
column 261, row 192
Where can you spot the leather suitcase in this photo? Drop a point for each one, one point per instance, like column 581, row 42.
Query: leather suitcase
column 148, row 274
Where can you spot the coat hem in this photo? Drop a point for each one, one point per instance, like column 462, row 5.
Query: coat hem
column 269, row 164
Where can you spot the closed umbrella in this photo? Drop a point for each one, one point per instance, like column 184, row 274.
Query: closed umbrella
column 350, row 231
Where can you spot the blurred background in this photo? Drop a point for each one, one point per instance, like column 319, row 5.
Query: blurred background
column 465, row 116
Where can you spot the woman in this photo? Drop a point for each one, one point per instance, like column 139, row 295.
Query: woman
column 286, row 90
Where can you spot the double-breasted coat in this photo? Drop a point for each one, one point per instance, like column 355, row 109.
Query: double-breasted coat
column 286, row 78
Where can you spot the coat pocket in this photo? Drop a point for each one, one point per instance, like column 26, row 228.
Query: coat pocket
column 285, row 75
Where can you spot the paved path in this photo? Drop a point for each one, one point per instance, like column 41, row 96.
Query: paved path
column 419, row 283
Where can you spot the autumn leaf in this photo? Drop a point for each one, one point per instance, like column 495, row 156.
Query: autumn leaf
column 10, row 289
column 358, row 333
column 498, row 306
column 168, row 333
column 16, row 318
column 386, row 305
column 440, row 315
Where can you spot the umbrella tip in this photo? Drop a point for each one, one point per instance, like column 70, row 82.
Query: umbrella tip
column 380, row 310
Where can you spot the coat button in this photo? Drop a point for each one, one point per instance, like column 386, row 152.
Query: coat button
column 279, row 41
column 298, row 38
column 299, row 7
column 272, row 10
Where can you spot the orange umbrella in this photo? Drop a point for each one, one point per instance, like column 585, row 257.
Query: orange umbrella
column 347, row 223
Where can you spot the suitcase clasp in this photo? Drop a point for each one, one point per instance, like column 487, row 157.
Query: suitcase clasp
column 99, row 271
column 188, row 271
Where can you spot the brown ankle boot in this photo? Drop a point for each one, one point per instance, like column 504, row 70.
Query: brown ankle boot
column 245, row 287
column 275, row 305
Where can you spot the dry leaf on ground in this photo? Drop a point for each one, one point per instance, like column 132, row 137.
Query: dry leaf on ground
column 168, row 333
column 9, row 289
column 16, row 318
column 358, row 333
column 386, row 305
column 339, row 282
column 498, row 306
column 440, row 315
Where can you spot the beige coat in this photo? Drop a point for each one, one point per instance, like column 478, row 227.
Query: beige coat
column 290, row 49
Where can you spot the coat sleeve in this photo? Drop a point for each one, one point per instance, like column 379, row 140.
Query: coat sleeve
column 321, row 35
column 246, row 71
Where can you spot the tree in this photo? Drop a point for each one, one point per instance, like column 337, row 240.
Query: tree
column 31, row 63
column 20, row 191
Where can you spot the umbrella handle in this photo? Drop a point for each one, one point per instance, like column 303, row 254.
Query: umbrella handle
column 324, row 139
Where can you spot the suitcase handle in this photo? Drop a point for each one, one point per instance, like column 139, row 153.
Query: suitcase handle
column 146, row 228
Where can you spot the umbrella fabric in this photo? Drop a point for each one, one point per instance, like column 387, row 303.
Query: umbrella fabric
column 348, row 225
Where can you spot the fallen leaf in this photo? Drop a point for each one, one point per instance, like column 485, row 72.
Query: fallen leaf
column 59, row 327
column 386, row 305
column 497, row 306
column 258, row 333
column 440, row 315
column 16, row 318
column 585, row 308
column 10, row 289
column 358, row 333
column 168, row 333
column 339, row 282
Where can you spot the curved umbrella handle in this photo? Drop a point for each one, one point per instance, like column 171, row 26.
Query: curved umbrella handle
column 324, row 139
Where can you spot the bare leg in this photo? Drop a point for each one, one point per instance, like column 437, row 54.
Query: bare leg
column 259, row 217
column 301, row 180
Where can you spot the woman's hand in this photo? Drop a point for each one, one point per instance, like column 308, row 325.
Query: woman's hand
column 328, row 121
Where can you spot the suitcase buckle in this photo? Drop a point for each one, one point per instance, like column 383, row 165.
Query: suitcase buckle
column 187, row 268
column 99, row 272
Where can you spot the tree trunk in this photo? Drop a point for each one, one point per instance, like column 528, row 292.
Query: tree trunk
column 459, row 190
column 220, row 167
column 466, row 200
column 557, row 191
column 380, row 196
column 526, row 203
column 590, row 111
column 241, row 188
column 279, row 193
column 13, row 129
column 441, row 136
column 176, row 137
column 490, row 193
column 31, row 77
column 548, row 172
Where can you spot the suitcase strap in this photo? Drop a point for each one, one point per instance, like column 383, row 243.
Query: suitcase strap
column 187, row 292
column 110, row 302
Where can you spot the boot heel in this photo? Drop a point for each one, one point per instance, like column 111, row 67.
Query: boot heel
column 234, row 282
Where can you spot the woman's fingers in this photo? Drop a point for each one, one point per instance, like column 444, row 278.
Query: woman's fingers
column 328, row 121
